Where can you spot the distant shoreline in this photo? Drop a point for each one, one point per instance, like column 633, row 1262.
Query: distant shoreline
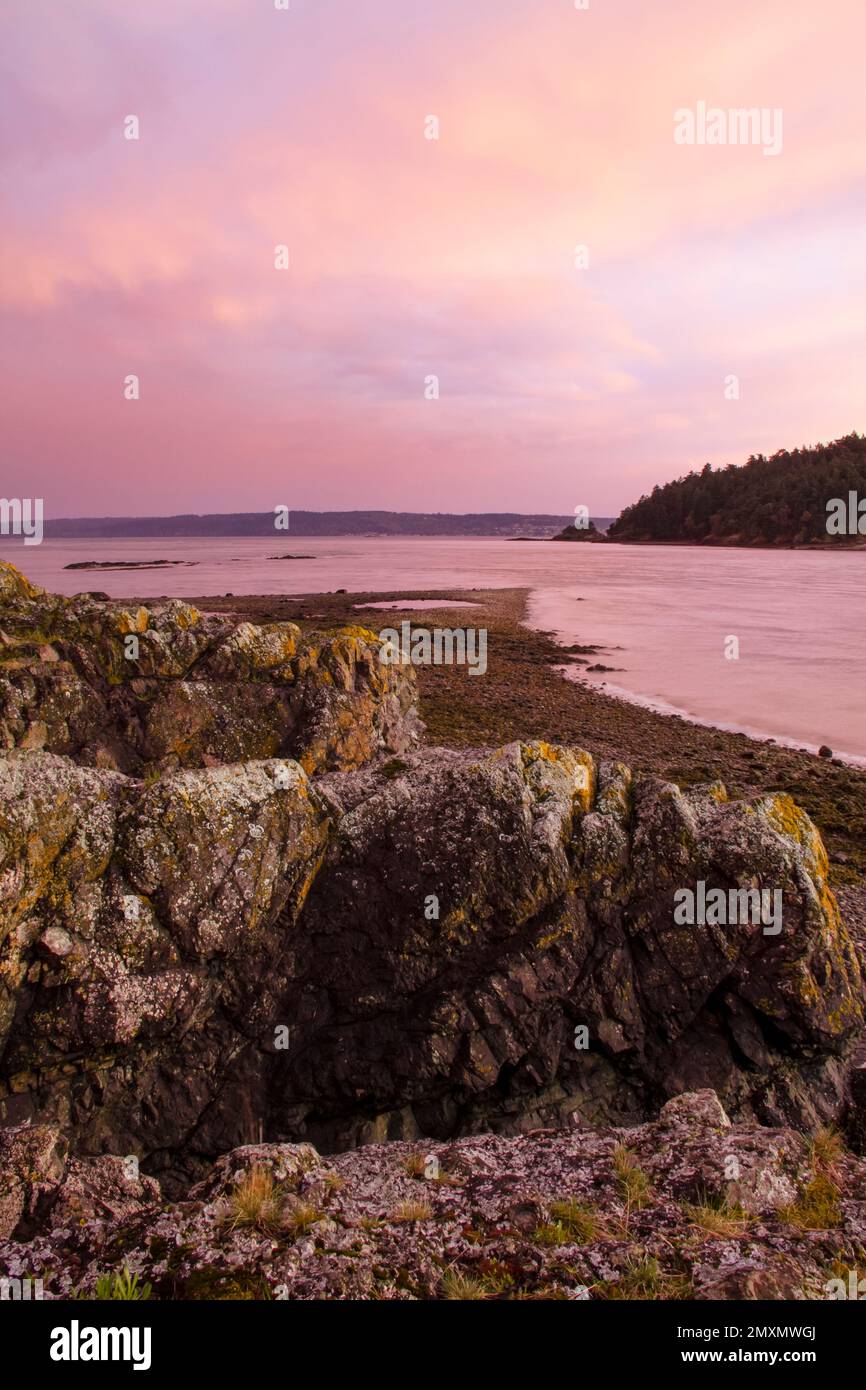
column 831, row 545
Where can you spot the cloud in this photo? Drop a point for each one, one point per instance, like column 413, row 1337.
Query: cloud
column 411, row 257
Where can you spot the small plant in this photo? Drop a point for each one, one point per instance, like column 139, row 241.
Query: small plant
column 461, row 1286
column 299, row 1217
column 817, row 1207
column 552, row 1233
column 415, row 1165
column 255, row 1201
column 394, row 768
column 334, row 1182
column 633, row 1183
column 124, row 1286
column 718, row 1217
column 580, row 1222
column 413, row 1211
column 826, row 1148
column 644, row 1279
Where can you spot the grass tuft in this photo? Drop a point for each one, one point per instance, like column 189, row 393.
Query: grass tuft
column 645, row 1280
column 817, row 1207
column 456, row 1285
column 300, row 1216
column 718, row 1217
column 413, row 1211
column 255, row 1201
column 633, row 1183
column 582, row 1222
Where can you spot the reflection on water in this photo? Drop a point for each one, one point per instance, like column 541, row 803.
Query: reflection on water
column 662, row 614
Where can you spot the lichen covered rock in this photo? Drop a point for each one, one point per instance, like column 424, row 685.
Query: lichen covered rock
column 133, row 688
column 650, row 1211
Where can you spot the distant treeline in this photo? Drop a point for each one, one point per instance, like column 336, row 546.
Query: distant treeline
column 776, row 501
column 313, row 524
column 780, row 500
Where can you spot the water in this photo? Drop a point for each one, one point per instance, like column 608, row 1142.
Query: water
column 662, row 614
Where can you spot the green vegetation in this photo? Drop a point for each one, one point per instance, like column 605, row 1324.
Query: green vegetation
column 580, row 1222
column 632, row 1181
column 718, row 1217
column 781, row 500
column 645, row 1279
column 816, row 1208
column 124, row 1286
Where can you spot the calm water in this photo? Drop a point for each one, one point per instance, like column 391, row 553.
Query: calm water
column 661, row 614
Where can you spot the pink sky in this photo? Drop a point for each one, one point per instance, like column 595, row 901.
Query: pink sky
column 410, row 257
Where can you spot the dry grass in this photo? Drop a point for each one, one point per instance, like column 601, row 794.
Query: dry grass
column 461, row 1286
column 718, row 1217
column 632, row 1181
column 825, row 1149
column 413, row 1211
column 256, row 1202
column 817, row 1207
column 300, row 1216
column 644, row 1279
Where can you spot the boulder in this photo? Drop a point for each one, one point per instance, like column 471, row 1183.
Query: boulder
column 165, row 687
column 491, row 942
column 145, row 940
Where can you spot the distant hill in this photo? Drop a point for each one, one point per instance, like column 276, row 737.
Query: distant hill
column 781, row 500
column 313, row 524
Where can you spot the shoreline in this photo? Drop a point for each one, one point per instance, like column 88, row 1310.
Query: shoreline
column 529, row 693
column 661, row 707
column 604, row 539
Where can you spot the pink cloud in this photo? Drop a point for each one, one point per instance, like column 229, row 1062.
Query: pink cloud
column 412, row 257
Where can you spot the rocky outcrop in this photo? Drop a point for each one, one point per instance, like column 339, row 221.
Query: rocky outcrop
column 147, row 939
column 474, row 914
column 238, row 905
column 155, row 688
column 429, row 944
column 689, row 1206
column 412, row 949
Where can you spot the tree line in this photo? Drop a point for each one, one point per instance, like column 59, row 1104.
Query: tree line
column 780, row 500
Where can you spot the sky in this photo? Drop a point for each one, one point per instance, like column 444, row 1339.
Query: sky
column 564, row 379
